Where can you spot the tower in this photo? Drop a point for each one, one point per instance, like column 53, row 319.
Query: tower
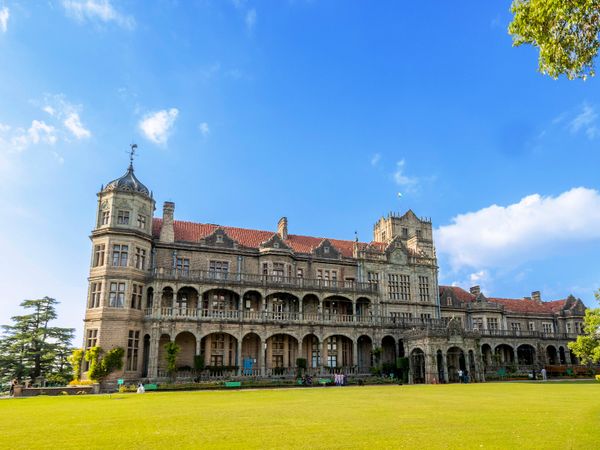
column 120, row 263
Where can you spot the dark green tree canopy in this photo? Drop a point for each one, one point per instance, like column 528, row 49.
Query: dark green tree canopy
column 30, row 347
column 565, row 31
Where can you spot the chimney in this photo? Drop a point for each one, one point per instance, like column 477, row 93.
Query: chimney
column 536, row 296
column 167, row 233
column 282, row 228
column 475, row 290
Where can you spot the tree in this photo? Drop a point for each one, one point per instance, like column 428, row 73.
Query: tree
column 565, row 31
column 172, row 350
column 587, row 346
column 30, row 347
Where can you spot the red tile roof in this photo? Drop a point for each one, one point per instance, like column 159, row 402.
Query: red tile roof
column 193, row 232
column 521, row 305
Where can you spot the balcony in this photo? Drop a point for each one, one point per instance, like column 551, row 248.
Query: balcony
column 270, row 317
column 527, row 334
column 267, row 281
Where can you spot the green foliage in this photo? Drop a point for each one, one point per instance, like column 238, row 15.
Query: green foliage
column 172, row 350
column 301, row 363
column 199, row 362
column 75, row 360
column 30, row 347
column 565, row 31
column 101, row 367
column 128, row 388
column 587, row 346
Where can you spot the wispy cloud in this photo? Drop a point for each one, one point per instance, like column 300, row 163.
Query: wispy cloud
column 204, row 129
column 4, row 15
column 97, row 11
column 156, row 126
column 401, row 179
column 587, row 121
column 506, row 236
column 67, row 113
column 375, row 159
column 250, row 19
column 18, row 139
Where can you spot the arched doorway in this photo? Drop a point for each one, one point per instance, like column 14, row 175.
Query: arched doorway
column 487, row 355
column 282, row 306
column 455, row 358
column 526, row 355
column 219, row 350
column 311, row 351
column 282, row 351
column 166, row 300
column 417, row 366
column 561, row 355
column 251, row 303
column 186, row 301
column 162, row 355
column 364, row 348
column 187, row 350
column 337, row 309
column 150, row 298
column 220, row 303
column 310, row 307
column 504, row 354
column 363, row 309
column 439, row 357
column 551, row 355
column 146, row 355
column 337, row 352
column 388, row 351
column 251, row 354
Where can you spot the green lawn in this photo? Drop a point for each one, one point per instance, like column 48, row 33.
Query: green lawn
column 494, row 415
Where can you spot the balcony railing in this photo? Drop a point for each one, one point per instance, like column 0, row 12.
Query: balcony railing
column 527, row 333
column 255, row 280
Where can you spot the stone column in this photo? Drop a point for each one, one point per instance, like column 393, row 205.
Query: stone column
column 240, row 363
column 261, row 357
column 355, row 352
column 153, row 354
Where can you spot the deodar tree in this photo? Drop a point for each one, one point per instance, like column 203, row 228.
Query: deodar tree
column 565, row 31
column 30, row 347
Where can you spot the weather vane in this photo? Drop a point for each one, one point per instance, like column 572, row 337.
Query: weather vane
column 132, row 153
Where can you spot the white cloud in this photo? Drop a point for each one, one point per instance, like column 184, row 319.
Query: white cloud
column 156, row 126
column 504, row 236
column 250, row 19
column 402, row 179
column 204, row 129
column 73, row 124
column 97, row 10
column 4, row 15
column 58, row 107
column 375, row 159
column 38, row 132
column 585, row 121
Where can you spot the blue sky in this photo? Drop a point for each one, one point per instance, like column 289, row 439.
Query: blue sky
column 245, row 111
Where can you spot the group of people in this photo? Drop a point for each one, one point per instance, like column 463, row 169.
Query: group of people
column 339, row 379
column 463, row 376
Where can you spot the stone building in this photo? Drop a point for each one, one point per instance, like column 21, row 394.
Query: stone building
column 242, row 302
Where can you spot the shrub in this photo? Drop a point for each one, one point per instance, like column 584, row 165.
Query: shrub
column 75, row 360
column 199, row 362
column 171, row 350
column 101, row 367
column 128, row 388
column 81, row 382
column 597, row 377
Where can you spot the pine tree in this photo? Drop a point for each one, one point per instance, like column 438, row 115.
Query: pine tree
column 30, row 347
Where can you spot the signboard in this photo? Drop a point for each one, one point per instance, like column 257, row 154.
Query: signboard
column 120, row 381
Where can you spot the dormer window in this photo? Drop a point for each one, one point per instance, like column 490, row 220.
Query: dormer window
column 276, row 245
column 219, row 238
column 326, row 250
column 404, row 232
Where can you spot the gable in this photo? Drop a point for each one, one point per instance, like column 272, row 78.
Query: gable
column 326, row 250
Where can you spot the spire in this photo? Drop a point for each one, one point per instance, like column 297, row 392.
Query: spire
column 131, row 155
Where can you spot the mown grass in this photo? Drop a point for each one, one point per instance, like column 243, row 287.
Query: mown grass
column 493, row 415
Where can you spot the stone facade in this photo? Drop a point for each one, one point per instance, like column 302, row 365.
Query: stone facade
column 242, row 302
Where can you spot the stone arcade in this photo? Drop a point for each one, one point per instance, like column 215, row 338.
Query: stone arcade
column 251, row 302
